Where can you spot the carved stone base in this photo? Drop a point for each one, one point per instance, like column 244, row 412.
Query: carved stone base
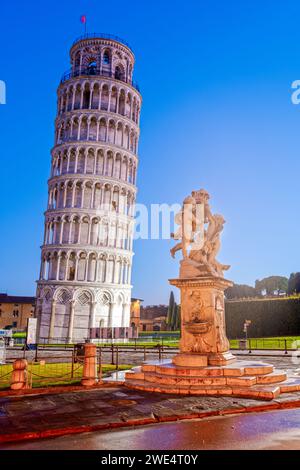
column 203, row 336
column 203, row 360
column 190, row 360
column 221, row 359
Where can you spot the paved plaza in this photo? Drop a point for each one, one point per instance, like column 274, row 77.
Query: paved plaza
column 110, row 407
column 271, row 430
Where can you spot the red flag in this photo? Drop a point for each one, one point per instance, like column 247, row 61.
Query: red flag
column 83, row 19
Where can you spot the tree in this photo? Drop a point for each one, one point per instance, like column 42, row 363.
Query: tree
column 294, row 283
column 173, row 315
column 271, row 284
column 170, row 313
column 178, row 318
column 174, row 320
column 239, row 291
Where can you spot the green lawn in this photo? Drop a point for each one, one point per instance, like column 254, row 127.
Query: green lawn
column 268, row 343
column 53, row 373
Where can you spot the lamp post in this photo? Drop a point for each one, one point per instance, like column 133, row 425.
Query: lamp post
column 247, row 323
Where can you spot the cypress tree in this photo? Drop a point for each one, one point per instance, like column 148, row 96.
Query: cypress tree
column 176, row 322
column 170, row 310
column 174, row 317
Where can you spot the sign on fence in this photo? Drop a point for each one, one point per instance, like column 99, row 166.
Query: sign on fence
column 114, row 333
column 2, row 351
column 31, row 331
column 5, row 333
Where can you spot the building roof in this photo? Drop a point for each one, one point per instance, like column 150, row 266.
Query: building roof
column 16, row 299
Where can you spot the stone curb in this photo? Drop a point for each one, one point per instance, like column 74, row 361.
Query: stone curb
column 54, row 389
column 35, row 435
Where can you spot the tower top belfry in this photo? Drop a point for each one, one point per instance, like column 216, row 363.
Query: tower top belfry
column 102, row 55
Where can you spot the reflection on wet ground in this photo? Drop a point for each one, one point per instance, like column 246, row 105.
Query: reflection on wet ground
column 269, row 430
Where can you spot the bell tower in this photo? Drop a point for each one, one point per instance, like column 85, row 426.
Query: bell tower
column 86, row 256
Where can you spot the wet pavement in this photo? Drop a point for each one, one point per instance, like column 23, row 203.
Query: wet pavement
column 36, row 416
column 273, row 430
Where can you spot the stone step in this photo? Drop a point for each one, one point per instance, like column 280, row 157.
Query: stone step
column 258, row 392
column 192, row 380
column 292, row 384
column 182, row 380
column 238, row 369
column 274, row 377
column 171, row 369
column 134, row 375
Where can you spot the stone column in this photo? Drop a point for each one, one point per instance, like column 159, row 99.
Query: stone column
column 52, row 320
column 42, row 269
column 100, row 98
column 61, row 231
column 89, row 376
column 76, row 269
column 79, row 232
column 126, row 315
column 71, row 321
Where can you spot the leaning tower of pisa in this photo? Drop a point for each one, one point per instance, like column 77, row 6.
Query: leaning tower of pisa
column 86, row 259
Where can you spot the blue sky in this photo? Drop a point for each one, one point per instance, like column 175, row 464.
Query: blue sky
column 217, row 113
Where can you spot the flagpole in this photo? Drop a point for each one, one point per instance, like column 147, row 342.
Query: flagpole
column 83, row 21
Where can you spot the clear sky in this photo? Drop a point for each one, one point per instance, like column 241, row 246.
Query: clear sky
column 217, row 113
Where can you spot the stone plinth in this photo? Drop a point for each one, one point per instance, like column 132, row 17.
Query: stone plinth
column 203, row 335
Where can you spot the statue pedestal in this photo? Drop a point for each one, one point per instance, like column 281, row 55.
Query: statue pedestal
column 204, row 364
column 203, row 334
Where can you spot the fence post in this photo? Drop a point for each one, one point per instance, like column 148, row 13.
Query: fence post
column 100, row 365
column 250, row 351
column 18, row 378
column 135, row 344
column 112, row 355
column 36, row 353
column 73, row 360
column 285, row 346
column 90, row 365
column 117, row 357
column 144, row 353
column 159, row 352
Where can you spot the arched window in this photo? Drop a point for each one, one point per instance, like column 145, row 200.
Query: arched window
column 118, row 73
column 105, row 58
column 92, row 67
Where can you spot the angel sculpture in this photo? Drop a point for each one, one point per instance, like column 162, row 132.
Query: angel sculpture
column 199, row 245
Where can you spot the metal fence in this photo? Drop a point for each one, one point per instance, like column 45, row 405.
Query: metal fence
column 53, row 366
column 269, row 344
column 53, row 369
column 50, row 365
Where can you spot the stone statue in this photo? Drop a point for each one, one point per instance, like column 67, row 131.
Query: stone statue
column 199, row 245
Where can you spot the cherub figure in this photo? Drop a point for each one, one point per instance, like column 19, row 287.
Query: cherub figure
column 204, row 243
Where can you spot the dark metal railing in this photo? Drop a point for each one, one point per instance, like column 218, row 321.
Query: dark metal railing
column 95, row 72
column 102, row 36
